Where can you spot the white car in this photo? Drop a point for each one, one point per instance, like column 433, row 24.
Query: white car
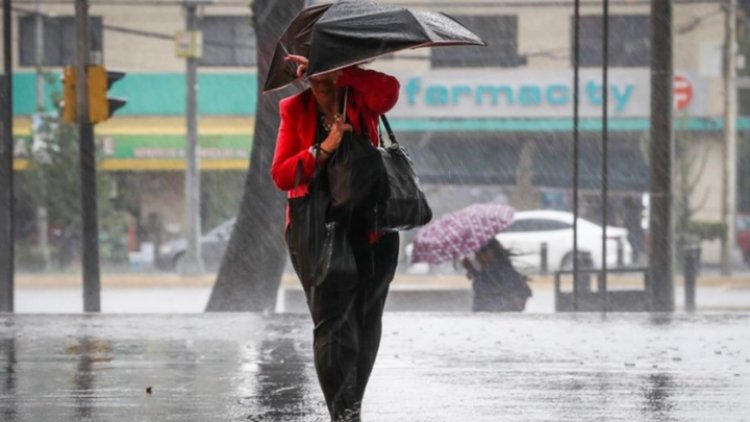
column 213, row 245
column 530, row 229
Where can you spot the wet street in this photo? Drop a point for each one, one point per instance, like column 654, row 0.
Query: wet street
column 432, row 367
column 291, row 300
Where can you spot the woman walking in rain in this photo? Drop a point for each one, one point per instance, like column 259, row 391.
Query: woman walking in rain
column 347, row 321
column 498, row 286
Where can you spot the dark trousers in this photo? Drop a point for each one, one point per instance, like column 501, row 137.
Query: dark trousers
column 348, row 326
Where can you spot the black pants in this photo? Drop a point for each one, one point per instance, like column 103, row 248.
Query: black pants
column 348, row 326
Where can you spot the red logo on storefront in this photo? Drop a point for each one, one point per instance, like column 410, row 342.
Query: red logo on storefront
column 683, row 92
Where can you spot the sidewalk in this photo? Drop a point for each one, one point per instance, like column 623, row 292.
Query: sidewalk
column 170, row 293
column 289, row 280
column 431, row 368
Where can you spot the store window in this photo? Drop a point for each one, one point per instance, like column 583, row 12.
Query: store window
column 228, row 41
column 500, row 32
column 629, row 41
column 59, row 37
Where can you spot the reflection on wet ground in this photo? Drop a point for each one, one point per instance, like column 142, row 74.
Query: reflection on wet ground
column 432, row 367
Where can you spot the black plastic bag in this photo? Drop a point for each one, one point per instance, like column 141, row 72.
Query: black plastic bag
column 406, row 206
column 319, row 249
column 337, row 267
column 356, row 176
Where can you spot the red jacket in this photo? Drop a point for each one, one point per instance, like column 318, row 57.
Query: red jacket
column 371, row 94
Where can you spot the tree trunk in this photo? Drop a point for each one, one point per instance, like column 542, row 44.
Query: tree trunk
column 252, row 266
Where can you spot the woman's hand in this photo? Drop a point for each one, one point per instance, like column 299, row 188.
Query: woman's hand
column 300, row 61
column 302, row 65
column 333, row 140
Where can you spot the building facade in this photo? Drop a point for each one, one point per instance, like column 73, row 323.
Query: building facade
column 479, row 122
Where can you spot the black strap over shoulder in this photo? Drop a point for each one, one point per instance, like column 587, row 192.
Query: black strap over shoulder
column 388, row 129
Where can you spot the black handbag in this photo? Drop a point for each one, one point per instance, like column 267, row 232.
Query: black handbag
column 356, row 175
column 337, row 266
column 406, row 207
column 319, row 249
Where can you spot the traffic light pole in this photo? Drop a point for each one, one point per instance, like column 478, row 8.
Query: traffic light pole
column 192, row 262
column 6, row 169
column 91, row 282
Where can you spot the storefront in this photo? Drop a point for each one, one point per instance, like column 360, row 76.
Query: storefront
column 514, row 128
column 504, row 131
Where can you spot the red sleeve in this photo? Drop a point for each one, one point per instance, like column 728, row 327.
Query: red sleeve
column 290, row 150
column 379, row 91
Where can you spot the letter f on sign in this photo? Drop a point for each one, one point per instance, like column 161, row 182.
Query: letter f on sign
column 412, row 89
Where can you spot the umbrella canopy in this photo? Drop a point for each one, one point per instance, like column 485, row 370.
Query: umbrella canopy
column 350, row 32
column 460, row 233
column 295, row 40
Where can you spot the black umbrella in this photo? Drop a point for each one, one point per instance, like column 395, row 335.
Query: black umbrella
column 349, row 32
column 295, row 40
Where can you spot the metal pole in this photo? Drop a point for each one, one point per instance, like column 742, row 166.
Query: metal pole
column 43, row 222
column 690, row 272
column 729, row 156
column 91, row 282
column 6, row 168
column 605, row 149
column 39, row 56
column 576, row 152
column 192, row 262
column 42, row 225
column 661, row 246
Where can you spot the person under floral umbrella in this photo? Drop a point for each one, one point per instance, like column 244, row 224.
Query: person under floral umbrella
column 497, row 285
column 460, row 233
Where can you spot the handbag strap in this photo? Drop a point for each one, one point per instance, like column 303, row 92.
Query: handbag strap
column 346, row 99
column 388, row 129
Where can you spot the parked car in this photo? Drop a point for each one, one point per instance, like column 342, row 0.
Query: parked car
column 743, row 235
column 530, row 229
column 213, row 246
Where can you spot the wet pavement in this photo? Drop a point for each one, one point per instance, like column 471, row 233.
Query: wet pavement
column 402, row 298
column 432, row 367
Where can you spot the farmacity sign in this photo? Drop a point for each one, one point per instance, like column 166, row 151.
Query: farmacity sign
column 532, row 94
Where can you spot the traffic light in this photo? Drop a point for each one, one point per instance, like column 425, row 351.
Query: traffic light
column 100, row 81
column 69, row 94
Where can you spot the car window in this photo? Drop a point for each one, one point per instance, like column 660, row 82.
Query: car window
column 536, row 225
column 518, row 226
column 553, row 225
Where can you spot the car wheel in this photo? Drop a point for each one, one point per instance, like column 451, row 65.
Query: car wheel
column 567, row 261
